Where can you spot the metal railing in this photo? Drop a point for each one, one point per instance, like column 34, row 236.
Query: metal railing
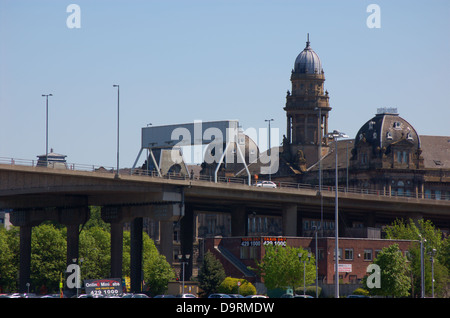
column 235, row 180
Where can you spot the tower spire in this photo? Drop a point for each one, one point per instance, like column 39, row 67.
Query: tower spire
column 307, row 40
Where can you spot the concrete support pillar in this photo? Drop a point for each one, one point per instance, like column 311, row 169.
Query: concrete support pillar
column 72, row 218
column 25, row 257
column 239, row 221
column 136, row 254
column 166, row 240
column 116, row 249
column 290, row 220
column 73, row 240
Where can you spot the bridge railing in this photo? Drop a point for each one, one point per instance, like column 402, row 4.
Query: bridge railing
column 236, row 180
column 59, row 165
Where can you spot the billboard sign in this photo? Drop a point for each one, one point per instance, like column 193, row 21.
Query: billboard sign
column 104, row 287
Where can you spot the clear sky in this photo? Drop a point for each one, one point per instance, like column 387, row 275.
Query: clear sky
column 186, row 60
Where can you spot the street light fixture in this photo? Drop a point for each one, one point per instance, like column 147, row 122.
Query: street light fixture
column 336, row 135
column 46, row 127
column 432, row 254
column 186, row 257
column 270, row 168
column 304, row 270
column 118, row 116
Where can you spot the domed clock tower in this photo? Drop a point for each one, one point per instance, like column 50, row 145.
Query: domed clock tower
column 307, row 107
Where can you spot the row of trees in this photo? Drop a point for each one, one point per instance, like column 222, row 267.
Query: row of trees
column 280, row 267
column 400, row 275
column 48, row 256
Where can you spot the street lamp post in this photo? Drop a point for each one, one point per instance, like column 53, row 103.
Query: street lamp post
column 335, row 135
column 432, row 254
column 186, row 257
column 304, row 271
column 46, row 127
column 316, row 260
column 270, row 168
column 118, row 117
column 320, row 168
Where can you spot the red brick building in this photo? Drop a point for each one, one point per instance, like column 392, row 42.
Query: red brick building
column 237, row 253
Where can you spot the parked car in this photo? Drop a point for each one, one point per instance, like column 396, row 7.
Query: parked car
column 135, row 296
column 235, row 295
column 256, row 296
column 219, row 296
column 357, row 296
column 186, row 296
column 266, row 184
column 164, row 296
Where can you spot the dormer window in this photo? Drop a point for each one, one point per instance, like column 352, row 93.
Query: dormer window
column 397, row 125
column 409, row 136
column 389, row 135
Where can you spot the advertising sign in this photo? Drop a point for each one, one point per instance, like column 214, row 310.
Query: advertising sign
column 103, row 287
column 275, row 241
column 345, row 268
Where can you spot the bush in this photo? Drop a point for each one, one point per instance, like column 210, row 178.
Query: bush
column 310, row 290
column 361, row 291
column 247, row 289
column 230, row 286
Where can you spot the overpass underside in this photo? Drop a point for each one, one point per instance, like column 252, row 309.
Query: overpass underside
column 35, row 194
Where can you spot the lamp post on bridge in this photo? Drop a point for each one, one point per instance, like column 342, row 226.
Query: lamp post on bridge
column 46, row 127
column 118, row 116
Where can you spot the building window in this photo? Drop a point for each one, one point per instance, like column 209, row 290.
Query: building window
column 437, row 194
column 348, row 254
column 388, row 135
column 320, row 252
column 368, row 254
column 339, row 253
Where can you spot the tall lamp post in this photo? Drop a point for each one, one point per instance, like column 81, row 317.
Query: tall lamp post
column 270, row 168
column 46, row 127
column 320, row 168
column 186, row 257
column 336, row 135
column 118, row 116
column 304, row 270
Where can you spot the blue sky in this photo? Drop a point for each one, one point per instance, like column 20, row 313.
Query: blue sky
column 180, row 61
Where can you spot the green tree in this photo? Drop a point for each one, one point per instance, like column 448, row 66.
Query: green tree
column 8, row 261
column 157, row 271
column 282, row 268
column 94, row 249
column 211, row 274
column 48, row 257
column 433, row 241
column 394, row 273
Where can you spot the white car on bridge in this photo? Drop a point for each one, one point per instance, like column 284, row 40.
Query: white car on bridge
column 266, row 184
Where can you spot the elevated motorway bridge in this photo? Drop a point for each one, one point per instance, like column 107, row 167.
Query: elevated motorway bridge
column 35, row 194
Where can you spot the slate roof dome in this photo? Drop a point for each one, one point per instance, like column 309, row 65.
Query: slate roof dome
column 308, row 62
column 387, row 128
